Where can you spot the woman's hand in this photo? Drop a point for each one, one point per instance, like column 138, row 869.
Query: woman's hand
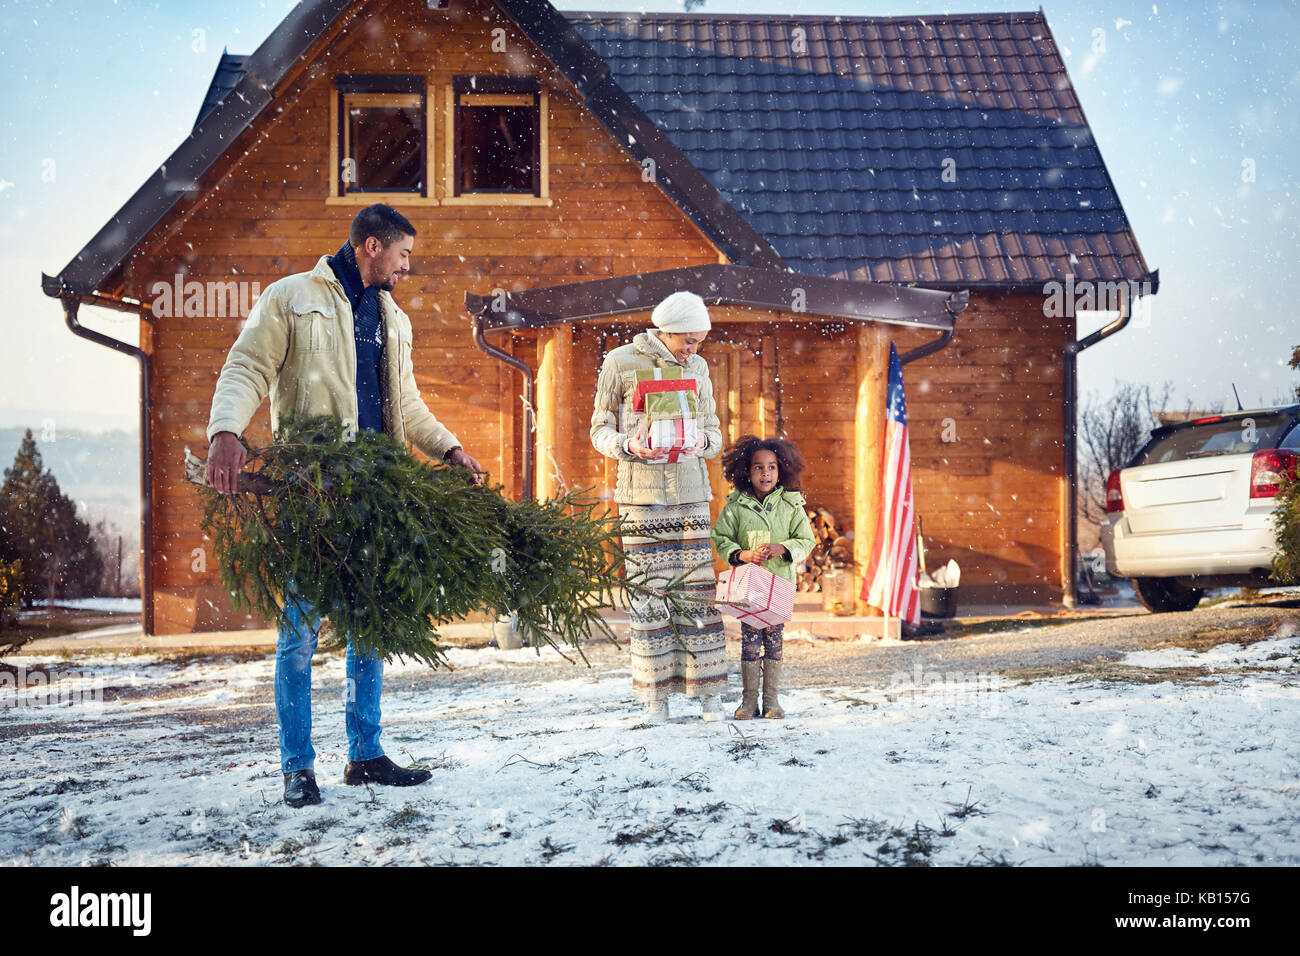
column 635, row 446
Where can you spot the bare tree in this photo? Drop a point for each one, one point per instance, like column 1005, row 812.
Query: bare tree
column 121, row 554
column 1110, row 433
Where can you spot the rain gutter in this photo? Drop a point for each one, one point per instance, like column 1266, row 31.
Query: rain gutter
column 72, row 302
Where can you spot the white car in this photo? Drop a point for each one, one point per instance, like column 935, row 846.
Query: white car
column 1194, row 507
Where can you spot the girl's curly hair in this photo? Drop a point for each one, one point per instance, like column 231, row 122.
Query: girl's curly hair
column 737, row 459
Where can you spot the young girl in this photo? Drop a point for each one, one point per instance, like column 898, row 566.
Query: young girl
column 763, row 522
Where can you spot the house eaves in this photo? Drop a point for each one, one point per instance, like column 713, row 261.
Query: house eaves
column 180, row 175
column 262, row 72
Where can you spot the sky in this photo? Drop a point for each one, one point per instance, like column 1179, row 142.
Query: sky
column 1193, row 105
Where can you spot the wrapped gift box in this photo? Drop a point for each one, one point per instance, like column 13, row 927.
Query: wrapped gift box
column 673, row 434
column 755, row 595
column 668, row 401
column 658, row 384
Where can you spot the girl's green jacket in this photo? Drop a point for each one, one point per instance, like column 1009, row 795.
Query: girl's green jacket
column 780, row 518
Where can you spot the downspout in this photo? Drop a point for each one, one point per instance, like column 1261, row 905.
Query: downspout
column 955, row 305
column 71, row 303
column 1069, row 598
column 530, row 379
column 929, row 348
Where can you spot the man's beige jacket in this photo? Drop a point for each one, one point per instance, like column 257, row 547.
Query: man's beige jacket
column 298, row 346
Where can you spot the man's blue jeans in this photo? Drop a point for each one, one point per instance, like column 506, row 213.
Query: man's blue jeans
column 299, row 630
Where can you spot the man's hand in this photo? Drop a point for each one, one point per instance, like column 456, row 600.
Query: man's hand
column 226, row 458
column 457, row 456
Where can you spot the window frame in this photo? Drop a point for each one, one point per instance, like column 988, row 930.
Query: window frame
column 374, row 89
column 1291, row 440
column 465, row 91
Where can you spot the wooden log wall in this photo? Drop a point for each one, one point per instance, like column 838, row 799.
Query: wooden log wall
column 985, row 422
column 264, row 215
column 986, row 417
column 986, row 411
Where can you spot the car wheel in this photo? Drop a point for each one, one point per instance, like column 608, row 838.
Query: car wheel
column 1161, row 595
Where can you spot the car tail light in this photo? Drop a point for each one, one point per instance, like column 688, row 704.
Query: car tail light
column 1266, row 470
column 1114, row 498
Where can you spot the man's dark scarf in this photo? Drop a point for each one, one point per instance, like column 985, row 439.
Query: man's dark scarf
column 369, row 335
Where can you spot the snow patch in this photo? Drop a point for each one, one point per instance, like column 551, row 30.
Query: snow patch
column 536, row 762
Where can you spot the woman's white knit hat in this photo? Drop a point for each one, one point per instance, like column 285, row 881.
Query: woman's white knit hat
column 681, row 312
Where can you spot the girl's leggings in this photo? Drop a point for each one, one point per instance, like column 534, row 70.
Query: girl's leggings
column 765, row 639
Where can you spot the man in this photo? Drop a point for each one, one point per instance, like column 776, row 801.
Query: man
column 330, row 342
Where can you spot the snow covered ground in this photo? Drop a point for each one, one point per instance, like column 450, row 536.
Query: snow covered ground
column 1173, row 758
column 115, row 604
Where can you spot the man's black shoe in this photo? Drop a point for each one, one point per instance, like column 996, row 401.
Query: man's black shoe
column 384, row 771
column 300, row 788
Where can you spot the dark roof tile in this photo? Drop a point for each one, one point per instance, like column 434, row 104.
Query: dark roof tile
column 230, row 70
column 835, row 154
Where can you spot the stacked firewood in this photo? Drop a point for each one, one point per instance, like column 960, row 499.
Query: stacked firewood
column 833, row 550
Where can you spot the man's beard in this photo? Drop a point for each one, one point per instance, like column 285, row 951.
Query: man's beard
column 384, row 282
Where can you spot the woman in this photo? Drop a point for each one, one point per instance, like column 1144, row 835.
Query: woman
column 665, row 506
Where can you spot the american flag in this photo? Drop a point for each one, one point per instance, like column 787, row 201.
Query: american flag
column 890, row 582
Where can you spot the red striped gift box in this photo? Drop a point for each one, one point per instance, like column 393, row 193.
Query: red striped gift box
column 755, row 595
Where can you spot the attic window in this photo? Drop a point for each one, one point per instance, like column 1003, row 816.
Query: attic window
column 382, row 137
column 499, row 147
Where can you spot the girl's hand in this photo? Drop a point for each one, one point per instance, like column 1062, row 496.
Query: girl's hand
column 693, row 450
column 752, row 557
column 770, row 551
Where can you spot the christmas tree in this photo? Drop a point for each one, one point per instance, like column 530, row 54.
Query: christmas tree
column 40, row 527
column 390, row 547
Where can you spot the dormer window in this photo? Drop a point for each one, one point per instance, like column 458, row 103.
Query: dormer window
column 498, row 148
column 382, row 138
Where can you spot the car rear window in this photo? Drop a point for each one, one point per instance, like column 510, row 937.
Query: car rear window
column 1227, row 436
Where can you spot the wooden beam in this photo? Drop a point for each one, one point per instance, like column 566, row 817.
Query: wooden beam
column 554, row 377
column 768, row 427
column 509, row 390
column 735, row 426
column 868, row 442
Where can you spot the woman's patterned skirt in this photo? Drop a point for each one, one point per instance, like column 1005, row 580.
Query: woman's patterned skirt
column 667, row 543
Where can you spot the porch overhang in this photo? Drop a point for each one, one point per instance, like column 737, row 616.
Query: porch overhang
column 719, row 284
column 869, row 304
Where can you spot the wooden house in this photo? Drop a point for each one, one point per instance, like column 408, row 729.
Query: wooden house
column 829, row 184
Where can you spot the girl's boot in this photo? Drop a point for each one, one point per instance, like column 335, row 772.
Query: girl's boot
column 771, row 687
column 749, row 692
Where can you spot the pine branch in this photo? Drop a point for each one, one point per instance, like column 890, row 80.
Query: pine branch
column 389, row 548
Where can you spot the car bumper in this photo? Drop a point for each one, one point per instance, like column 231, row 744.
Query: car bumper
column 1178, row 554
